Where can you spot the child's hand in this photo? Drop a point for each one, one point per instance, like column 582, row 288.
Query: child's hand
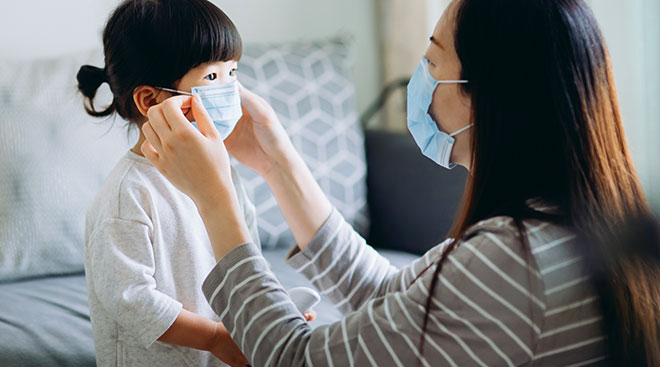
column 224, row 348
column 310, row 315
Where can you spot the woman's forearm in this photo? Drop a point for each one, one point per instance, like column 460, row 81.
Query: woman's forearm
column 303, row 203
column 224, row 222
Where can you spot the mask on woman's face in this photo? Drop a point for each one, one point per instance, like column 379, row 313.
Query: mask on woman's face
column 435, row 144
column 222, row 102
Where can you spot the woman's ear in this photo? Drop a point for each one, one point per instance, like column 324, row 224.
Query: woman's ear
column 145, row 97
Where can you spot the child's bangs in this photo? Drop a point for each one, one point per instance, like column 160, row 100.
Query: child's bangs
column 202, row 33
column 216, row 36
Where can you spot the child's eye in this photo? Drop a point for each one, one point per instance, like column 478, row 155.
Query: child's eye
column 232, row 72
column 212, row 76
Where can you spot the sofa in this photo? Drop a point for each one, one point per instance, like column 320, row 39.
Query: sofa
column 53, row 159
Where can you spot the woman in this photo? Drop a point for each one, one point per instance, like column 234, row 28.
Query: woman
column 521, row 93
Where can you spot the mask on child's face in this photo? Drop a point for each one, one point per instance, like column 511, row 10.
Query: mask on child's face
column 222, row 102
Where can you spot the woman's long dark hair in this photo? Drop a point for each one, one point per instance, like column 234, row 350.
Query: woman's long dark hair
column 547, row 126
column 156, row 42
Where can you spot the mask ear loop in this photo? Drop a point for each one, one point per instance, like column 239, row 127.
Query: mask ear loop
column 455, row 82
column 461, row 130
column 175, row 91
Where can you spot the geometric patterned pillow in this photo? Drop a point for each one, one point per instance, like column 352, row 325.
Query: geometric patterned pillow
column 309, row 85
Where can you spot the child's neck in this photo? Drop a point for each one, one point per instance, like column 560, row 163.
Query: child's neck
column 136, row 149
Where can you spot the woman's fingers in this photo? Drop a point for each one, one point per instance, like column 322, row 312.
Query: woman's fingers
column 159, row 124
column 149, row 152
column 151, row 136
column 164, row 119
column 173, row 112
column 204, row 121
column 255, row 106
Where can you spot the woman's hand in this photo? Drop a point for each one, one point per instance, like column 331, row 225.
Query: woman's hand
column 224, row 348
column 258, row 140
column 196, row 162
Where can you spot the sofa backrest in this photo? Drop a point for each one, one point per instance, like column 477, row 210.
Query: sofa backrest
column 412, row 200
column 54, row 157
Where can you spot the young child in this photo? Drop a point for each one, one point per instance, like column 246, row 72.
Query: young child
column 147, row 251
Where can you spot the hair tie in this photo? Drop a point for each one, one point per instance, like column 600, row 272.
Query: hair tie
column 98, row 73
column 103, row 75
column 92, row 75
column 90, row 79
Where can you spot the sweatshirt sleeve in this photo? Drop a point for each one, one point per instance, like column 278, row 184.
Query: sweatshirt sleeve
column 347, row 270
column 262, row 320
column 473, row 320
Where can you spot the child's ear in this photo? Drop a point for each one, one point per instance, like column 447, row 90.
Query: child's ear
column 145, row 97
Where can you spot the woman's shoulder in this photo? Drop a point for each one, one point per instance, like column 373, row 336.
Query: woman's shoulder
column 543, row 246
column 535, row 232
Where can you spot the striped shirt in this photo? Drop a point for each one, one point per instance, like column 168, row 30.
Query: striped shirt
column 494, row 304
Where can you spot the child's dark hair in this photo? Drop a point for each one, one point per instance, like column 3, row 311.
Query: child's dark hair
column 156, row 42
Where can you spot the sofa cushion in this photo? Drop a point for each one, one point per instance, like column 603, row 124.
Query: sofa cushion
column 309, row 86
column 45, row 322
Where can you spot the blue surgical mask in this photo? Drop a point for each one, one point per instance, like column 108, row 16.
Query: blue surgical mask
column 435, row 144
column 222, row 102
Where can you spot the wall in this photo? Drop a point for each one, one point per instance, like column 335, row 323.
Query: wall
column 632, row 31
column 45, row 28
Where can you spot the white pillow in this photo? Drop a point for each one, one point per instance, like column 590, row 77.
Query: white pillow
column 53, row 159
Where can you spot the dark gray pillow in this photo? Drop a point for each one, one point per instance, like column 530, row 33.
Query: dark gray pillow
column 412, row 200
column 310, row 88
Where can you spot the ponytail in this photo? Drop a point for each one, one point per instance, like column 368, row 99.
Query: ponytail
column 90, row 79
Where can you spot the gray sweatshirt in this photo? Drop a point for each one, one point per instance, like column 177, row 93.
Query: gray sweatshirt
column 495, row 304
